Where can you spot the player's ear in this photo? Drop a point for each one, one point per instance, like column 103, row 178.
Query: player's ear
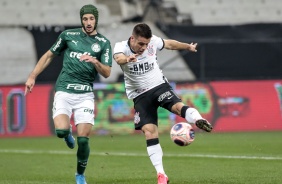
column 131, row 37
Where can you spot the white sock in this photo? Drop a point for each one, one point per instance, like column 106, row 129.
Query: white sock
column 155, row 153
column 192, row 115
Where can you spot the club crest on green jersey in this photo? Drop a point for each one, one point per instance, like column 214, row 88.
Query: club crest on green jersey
column 96, row 47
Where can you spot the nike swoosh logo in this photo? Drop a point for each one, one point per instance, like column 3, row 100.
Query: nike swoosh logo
column 151, row 155
column 170, row 97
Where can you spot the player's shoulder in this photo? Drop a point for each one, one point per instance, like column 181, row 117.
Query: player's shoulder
column 72, row 32
column 155, row 38
column 157, row 41
column 102, row 38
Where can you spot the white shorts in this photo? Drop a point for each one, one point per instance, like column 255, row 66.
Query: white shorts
column 81, row 105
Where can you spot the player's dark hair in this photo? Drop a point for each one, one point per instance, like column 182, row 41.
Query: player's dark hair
column 142, row 30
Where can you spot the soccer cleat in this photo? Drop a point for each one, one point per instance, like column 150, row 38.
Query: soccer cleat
column 70, row 140
column 80, row 179
column 204, row 125
column 162, row 179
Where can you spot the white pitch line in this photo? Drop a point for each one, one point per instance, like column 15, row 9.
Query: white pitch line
column 57, row 152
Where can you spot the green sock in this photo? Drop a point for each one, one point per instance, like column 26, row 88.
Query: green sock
column 82, row 154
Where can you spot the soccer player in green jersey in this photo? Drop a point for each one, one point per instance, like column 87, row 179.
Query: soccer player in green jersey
column 86, row 53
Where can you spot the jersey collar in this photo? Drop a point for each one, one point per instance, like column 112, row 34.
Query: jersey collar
column 128, row 43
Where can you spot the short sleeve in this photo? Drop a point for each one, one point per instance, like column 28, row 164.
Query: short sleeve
column 159, row 42
column 60, row 45
column 119, row 48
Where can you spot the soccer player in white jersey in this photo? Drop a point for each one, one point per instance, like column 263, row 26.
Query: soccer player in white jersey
column 149, row 89
column 86, row 53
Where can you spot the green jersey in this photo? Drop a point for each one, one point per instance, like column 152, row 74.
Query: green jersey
column 77, row 76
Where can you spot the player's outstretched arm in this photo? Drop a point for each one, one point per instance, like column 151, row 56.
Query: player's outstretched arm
column 121, row 59
column 176, row 45
column 43, row 62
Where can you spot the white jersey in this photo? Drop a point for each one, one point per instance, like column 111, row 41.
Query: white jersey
column 145, row 73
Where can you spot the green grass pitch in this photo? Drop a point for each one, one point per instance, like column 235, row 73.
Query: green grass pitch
column 213, row 158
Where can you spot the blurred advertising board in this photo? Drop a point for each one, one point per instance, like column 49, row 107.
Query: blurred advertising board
column 231, row 106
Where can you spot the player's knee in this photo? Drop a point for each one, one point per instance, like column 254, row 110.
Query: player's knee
column 61, row 133
column 82, row 141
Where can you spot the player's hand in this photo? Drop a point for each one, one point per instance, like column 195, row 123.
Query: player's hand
column 29, row 85
column 132, row 58
column 192, row 47
column 87, row 58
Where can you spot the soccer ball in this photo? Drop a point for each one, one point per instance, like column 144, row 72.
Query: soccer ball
column 182, row 134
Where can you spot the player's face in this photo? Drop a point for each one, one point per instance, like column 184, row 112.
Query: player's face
column 139, row 44
column 88, row 21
